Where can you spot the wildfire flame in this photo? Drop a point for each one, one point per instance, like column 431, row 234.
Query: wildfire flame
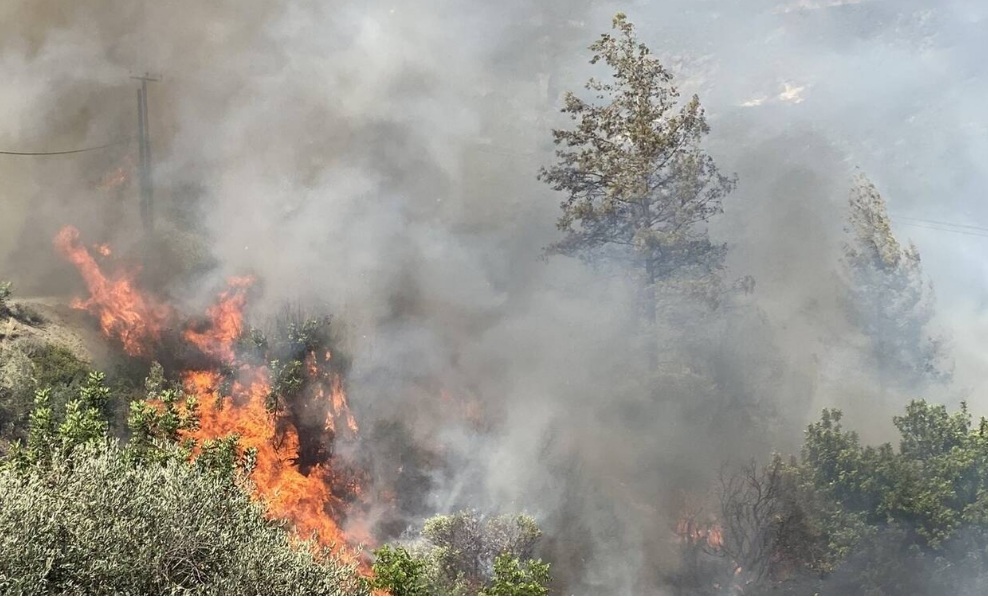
column 301, row 498
column 123, row 312
column 226, row 318
column 307, row 498
column 695, row 533
column 117, row 177
column 339, row 416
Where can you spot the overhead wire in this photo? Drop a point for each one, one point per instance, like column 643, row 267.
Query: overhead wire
column 66, row 152
column 937, row 225
column 934, row 225
column 940, row 222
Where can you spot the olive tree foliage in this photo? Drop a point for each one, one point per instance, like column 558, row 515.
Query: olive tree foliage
column 82, row 514
column 397, row 572
column 463, row 554
column 890, row 299
column 638, row 185
column 95, row 524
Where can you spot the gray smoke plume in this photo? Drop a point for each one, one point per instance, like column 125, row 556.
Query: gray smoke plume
column 378, row 158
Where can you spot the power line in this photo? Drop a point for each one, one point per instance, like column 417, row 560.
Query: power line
column 940, row 222
column 971, row 230
column 947, row 230
column 66, row 152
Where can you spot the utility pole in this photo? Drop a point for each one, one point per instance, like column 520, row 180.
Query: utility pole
column 144, row 140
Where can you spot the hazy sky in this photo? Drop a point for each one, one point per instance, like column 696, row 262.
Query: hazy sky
column 897, row 85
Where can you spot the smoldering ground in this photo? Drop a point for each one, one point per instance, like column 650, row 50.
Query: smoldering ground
column 379, row 158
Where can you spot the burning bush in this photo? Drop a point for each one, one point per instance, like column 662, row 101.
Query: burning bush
column 81, row 514
column 282, row 398
column 276, row 403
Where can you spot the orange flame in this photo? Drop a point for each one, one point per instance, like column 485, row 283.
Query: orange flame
column 302, row 499
column 226, row 322
column 124, row 313
column 338, row 418
column 306, row 499
column 693, row 532
column 118, row 176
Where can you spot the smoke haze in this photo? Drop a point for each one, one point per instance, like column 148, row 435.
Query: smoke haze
column 379, row 158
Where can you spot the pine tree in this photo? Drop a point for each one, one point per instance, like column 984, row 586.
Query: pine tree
column 638, row 185
column 890, row 300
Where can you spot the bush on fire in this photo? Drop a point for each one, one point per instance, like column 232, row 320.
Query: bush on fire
column 82, row 514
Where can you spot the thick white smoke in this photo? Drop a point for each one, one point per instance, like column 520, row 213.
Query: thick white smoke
column 379, row 158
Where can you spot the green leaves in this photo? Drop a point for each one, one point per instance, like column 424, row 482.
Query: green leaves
column 512, row 578
column 397, row 572
column 929, row 430
column 100, row 524
column 42, row 433
column 924, row 502
column 852, row 518
column 466, row 553
column 84, row 422
column 81, row 514
column 156, row 425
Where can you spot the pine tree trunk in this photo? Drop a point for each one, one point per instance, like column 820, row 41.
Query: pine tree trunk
column 648, row 307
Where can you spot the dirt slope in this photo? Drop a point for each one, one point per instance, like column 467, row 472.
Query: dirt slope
column 31, row 323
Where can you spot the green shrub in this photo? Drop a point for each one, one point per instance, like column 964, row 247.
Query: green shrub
column 57, row 367
column 81, row 514
column 466, row 554
column 93, row 522
column 514, row 578
column 399, row 573
column 40, row 367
